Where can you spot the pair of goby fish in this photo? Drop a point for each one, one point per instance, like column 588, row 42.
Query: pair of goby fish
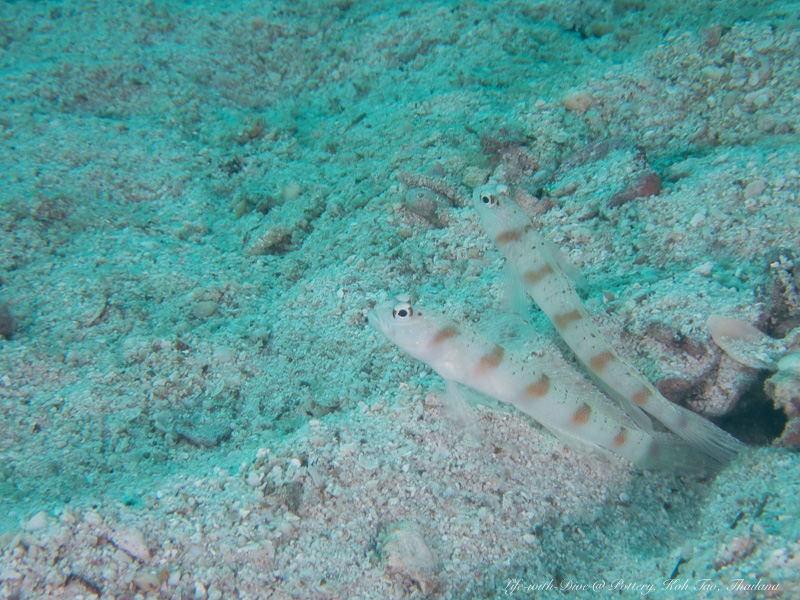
column 581, row 415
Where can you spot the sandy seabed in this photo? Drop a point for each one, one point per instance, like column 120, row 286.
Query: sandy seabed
column 200, row 202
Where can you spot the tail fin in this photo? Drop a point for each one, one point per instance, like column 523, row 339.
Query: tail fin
column 668, row 452
column 718, row 445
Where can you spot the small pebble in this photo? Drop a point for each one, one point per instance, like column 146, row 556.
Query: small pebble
column 761, row 100
column 214, row 594
column 698, row 219
column 148, row 581
column 132, row 542
column 406, row 554
column 767, row 123
column 754, row 189
column 579, row 103
column 199, row 591
column 704, row 269
column 223, row 354
column 92, row 518
column 291, row 191
column 474, row 176
column 37, row 522
column 712, row 72
column 203, row 310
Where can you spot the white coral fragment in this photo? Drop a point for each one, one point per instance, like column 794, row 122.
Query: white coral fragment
column 132, row 542
column 744, row 343
column 748, row 346
column 406, row 554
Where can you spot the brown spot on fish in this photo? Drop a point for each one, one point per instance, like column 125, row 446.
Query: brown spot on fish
column 581, row 416
column 506, row 237
column 600, row 361
column 444, row 334
column 539, row 388
column 563, row 320
column 533, row 277
column 621, row 438
column 492, row 360
column 640, row 398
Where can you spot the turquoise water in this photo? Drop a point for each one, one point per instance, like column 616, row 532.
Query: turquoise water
column 200, row 201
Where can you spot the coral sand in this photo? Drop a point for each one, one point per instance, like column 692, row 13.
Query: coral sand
column 199, row 203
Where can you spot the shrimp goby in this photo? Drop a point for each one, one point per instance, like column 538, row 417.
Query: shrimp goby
column 576, row 414
column 543, row 277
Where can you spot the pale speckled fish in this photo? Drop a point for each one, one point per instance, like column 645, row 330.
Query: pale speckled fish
column 549, row 287
column 461, row 355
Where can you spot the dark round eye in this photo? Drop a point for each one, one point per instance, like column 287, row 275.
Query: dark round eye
column 488, row 200
column 402, row 311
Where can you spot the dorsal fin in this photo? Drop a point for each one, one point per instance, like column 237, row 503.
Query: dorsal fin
column 572, row 272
